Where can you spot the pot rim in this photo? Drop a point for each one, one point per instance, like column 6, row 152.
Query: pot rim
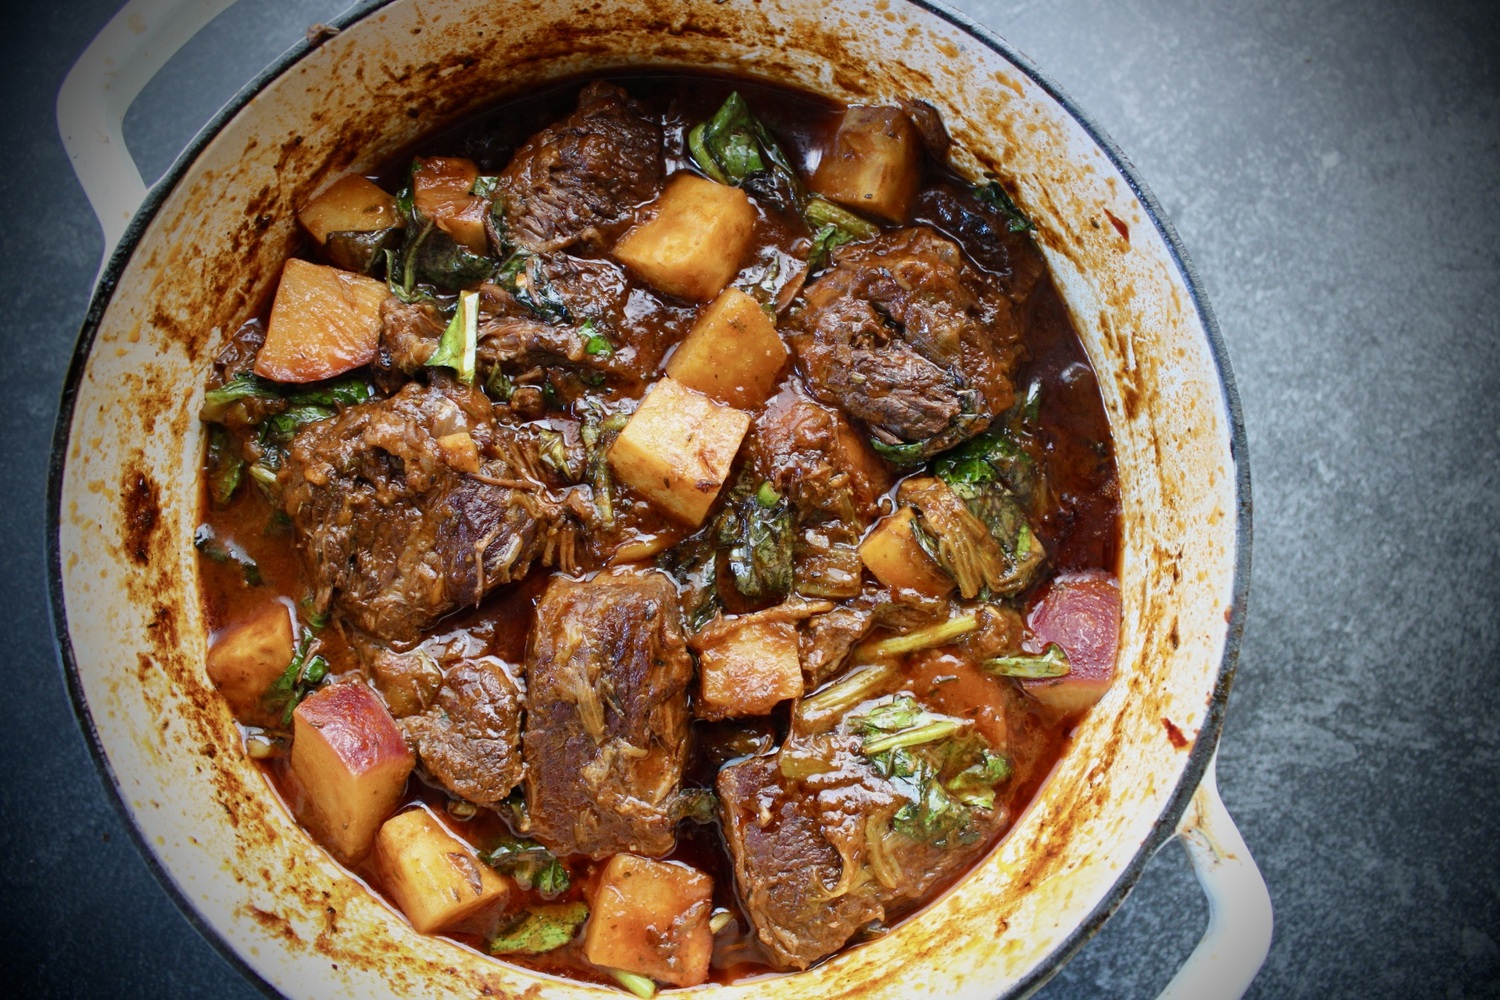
column 1208, row 736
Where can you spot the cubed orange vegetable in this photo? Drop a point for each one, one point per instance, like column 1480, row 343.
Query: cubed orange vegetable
column 677, row 449
column 873, row 165
column 247, row 658
column 651, row 918
column 694, row 240
column 747, row 665
column 434, row 877
column 441, row 190
column 323, row 323
column 352, row 762
column 733, row 352
column 352, row 204
column 892, row 554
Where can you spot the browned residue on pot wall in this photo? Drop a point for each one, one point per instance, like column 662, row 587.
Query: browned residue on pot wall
column 213, row 256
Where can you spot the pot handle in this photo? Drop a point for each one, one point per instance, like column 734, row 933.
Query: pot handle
column 99, row 89
column 1239, row 907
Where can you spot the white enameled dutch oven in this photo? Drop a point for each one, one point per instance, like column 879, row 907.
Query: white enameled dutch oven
column 194, row 255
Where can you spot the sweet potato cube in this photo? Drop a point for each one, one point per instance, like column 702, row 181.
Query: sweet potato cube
column 733, row 352
column 874, row 164
column 892, row 554
column 247, row 658
column 323, row 323
column 694, row 241
column 677, row 448
column 441, row 190
column 435, row 878
column 747, row 665
column 651, row 918
column 353, row 204
column 352, row 763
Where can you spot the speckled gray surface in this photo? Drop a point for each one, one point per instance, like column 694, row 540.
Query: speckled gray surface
column 1332, row 169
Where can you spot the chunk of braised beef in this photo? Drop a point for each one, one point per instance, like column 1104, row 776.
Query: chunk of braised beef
column 790, row 877
column 607, row 672
column 826, row 640
column 810, row 454
column 469, row 740
column 986, row 233
column 579, row 181
column 408, row 508
column 904, row 335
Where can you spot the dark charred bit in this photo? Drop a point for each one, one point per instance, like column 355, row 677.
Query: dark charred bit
column 141, row 510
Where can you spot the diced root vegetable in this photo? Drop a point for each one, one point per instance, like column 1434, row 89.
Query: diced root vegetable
column 441, row 189
column 1081, row 613
column 435, row 878
column 459, row 451
column 677, row 449
column 694, row 242
column 352, row 204
column 733, row 353
column 246, row 660
column 651, row 918
column 874, row 164
column 747, row 665
column 323, row 323
column 352, row 762
column 892, row 555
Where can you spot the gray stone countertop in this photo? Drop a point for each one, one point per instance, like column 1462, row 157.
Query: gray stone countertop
column 1332, row 169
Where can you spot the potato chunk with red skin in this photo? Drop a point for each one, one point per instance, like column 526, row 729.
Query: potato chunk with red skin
column 891, row 553
column 651, row 918
column 732, row 354
column 747, row 664
column 434, row 877
column 324, row 322
column 1081, row 613
column 349, row 756
column 246, row 659
column 352, row 204
column 442, row 190
column 677, row 448
column 694, row 240
column 874, row 164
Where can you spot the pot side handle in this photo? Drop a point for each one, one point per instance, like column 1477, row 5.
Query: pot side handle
column 1239, row 907
column 130, row 50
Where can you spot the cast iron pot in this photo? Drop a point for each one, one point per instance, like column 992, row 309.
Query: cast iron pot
column 201, row 250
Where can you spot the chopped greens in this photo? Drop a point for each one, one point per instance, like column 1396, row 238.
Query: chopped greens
column 297, row 681
column 757, row 528
column 219, row 551
column 1050, row 662
column 553, row 451
column 640, row 985
column 859, row 684
column 539, row 929
column 832, row 226
column 430, row 255
column 226, row 466
column 696, row 805
column 942, row 769
column 339, row 392
column 457, row 347
column 598, row 432
column 524, row 275
column 992, row 194
column 530, row 864
column 900, row 455
column 733, row 147
column 922, row 638
column 595, row 344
